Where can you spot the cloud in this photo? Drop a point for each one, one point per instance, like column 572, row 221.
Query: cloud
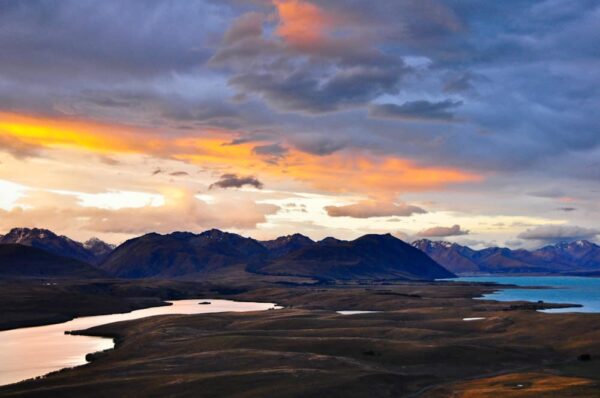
column 78, row 43
column 416, row 110
column 440, row 232
column 305, row 74
column 303, row 65
column 368, row 209
column 18, row 148
column 235, row 181
column 567, row 209
column 558, row 233
column 272, row 153
column 179, row 173
column 549, row 193
column 318, row 145
column 181, row 211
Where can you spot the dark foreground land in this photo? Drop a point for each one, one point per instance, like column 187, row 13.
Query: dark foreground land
column 419, row 346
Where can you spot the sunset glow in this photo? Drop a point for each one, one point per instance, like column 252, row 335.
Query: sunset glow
column 309, row 116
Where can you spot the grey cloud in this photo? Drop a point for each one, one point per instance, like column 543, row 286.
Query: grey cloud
column 557, row 233
column 103, row 40
column 549, row 193
column 324, row 77
column 567, row 209
column 373, row 209
column 463, row 82
column 235, row 181
column 440, row 232
column 305, row 91
column 416, row 110
column 247, row 139
column 318, row 145
column 179, row 173
column 271, row 152
column 145, row 62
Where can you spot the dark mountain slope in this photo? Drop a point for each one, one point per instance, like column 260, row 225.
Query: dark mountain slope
column 286, row 244
column 368, row 257
column 59, row 245
column 182, row 254
column 25, row 261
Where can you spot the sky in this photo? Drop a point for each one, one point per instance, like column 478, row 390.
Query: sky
column 469, row 121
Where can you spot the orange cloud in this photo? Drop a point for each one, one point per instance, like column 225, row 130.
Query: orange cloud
column 301, row 23
column 49, row 132
column 377, row 175
column 351, row 171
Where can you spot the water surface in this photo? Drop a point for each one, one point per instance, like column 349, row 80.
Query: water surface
column 357, row 312
column 561, row 289
column 36, row 351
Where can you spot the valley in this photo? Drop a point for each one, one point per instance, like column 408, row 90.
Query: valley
column 406, row 333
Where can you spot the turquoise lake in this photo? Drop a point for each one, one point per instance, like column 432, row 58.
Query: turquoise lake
column 561, row 289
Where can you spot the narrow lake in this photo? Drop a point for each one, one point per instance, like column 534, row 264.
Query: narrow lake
column 561, row 289
column 36, row 351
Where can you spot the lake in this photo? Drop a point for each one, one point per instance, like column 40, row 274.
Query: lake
column 561, row 289
column 36, row 351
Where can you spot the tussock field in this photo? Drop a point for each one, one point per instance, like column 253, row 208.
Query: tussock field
column 418, row 345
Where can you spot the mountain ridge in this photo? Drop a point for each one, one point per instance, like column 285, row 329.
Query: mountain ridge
column 562, row 257
column 185, row 255
column 92, row 252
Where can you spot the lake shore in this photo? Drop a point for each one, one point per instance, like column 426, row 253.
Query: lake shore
column 418, row 344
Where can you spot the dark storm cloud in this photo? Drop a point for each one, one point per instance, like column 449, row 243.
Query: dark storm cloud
column 235, row 181
column 416, row 110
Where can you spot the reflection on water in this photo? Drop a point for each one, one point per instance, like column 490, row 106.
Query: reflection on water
column 356, row 312
column 35, row 351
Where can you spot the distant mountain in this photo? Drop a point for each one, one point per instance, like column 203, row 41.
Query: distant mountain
column 99, row 249
column 25, row 261
column 286, row 244
column 91, row 252
column 368, row 257
column 579, row 256
column 182, row 254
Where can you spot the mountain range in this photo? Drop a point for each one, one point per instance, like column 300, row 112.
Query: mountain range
column 94, row 251
column 213, row 253
column 368, row 257
column 566, row 257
